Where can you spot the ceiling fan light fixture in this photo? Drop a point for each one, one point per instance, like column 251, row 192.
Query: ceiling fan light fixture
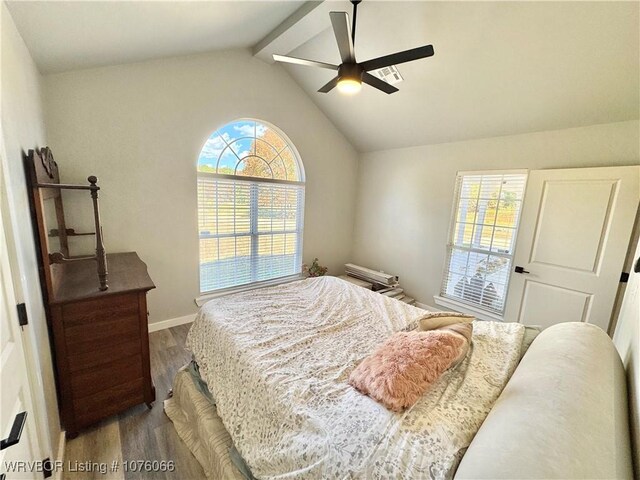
column 349, row 78
column 352, row 74
column 349, row 86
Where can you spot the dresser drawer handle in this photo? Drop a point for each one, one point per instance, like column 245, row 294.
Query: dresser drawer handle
column 16, row 431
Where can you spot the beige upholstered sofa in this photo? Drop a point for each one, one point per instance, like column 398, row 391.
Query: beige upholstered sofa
column 563, row 414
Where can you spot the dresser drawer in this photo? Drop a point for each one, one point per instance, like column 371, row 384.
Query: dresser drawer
column 98, row 321
column 95, row 407
column 78, row 346
column 105, row 309
column 88, row 382
column 103, row 332
column 86, row 355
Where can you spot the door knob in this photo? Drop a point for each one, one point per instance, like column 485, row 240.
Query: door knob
column 16, row 431
column 519, row 269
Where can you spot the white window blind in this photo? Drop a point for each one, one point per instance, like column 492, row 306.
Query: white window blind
column 482, row 238
column 250, row 207
column 250, row 231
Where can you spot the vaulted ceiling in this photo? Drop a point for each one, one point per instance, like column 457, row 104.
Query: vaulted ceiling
column 69, row 35
column 499, row 68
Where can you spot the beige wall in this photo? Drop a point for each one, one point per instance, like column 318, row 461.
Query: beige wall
column 140, row 128
column 405, row 195
column 627, row 340
column 23, row 129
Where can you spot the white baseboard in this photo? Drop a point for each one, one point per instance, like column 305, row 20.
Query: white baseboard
column 424, row 306
column 172, row 322
column 62, row 443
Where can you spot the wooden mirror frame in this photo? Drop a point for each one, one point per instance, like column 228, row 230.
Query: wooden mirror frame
column 44, row 183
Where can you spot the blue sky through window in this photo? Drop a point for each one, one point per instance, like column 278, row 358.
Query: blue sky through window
column 239, row 134
column 240, row 148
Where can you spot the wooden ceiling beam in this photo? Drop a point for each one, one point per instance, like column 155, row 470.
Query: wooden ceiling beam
column 301, row 26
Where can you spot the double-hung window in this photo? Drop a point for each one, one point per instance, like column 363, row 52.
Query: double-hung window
column 250, row 206
column 482, row 238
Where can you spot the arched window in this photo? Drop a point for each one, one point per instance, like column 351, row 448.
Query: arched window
column 250, row 206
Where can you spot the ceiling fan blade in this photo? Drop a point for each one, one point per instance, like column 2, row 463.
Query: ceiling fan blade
column 377, row 83
column 342, row 31
column 329, row 86
column 302, row 61
column 397, row 58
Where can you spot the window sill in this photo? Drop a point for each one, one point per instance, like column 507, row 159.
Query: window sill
column 205, row 297
column 469, row 309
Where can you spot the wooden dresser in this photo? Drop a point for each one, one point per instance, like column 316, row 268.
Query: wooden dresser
column 96, row 307
column 101, row 340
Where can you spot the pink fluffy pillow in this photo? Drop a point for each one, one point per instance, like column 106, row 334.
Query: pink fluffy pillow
column 399, row 372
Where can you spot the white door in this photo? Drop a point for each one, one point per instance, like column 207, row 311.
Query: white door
column 15, row 393
column 574, row 234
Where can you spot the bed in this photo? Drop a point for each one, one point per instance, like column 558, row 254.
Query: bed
column 268, row 398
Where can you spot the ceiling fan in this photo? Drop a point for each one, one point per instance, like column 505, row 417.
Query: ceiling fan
column 351, row 74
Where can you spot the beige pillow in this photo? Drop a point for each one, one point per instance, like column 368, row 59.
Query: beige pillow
column 465, row 330
column 433, row 320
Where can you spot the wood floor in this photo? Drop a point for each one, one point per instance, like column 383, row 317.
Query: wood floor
column 140, row 433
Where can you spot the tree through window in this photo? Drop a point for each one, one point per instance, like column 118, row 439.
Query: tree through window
column 250, row 206
column 482, row 238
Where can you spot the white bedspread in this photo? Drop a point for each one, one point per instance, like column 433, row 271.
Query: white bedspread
column 277, row 361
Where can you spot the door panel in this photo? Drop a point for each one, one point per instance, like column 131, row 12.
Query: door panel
column 575, row 230
column 554, row 304
column 15, row 394
column 564, row 215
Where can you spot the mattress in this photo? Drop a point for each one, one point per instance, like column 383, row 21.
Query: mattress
column 277, row 361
